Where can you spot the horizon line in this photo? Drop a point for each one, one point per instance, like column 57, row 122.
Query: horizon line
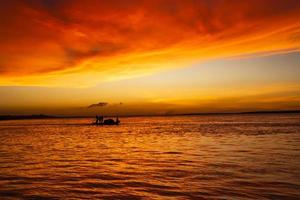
column 46, row 116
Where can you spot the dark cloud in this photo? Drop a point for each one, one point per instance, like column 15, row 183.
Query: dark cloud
column 100, row 104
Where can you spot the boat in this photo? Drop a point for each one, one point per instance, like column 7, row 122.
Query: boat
column 107, row 122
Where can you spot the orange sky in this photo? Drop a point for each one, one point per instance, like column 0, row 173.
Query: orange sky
column 83, row 44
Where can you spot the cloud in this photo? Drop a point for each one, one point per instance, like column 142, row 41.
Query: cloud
column 100, row 104
column 104, row 104
column 75, row 43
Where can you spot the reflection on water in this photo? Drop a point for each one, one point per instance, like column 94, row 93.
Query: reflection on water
column 195, row 157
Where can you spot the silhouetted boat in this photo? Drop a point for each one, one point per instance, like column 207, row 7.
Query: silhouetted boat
column 108, row 122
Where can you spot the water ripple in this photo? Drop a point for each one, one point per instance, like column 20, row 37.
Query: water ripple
column 195, row 157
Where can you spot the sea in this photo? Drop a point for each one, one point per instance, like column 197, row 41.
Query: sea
column 254, row 156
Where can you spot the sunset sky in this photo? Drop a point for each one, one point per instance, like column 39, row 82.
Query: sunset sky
column 149, row 57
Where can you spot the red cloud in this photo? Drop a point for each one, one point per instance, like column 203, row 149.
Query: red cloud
column 42, row 37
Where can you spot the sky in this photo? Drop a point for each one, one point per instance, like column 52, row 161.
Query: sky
column 149, row 57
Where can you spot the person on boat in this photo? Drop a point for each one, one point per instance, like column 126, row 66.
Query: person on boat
column 97, row 120
column 100, row 118
column 117, row 120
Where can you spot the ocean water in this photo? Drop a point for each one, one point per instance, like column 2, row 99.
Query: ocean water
column 186, row 157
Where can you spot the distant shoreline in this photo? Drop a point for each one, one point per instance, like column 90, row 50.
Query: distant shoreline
column 23, row 117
